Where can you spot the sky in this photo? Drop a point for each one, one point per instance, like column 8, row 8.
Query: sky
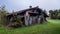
column 17, row 5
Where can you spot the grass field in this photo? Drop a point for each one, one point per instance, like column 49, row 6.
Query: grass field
column 50, row 27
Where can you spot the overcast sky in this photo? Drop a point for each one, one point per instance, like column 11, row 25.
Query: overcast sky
column 24, row 4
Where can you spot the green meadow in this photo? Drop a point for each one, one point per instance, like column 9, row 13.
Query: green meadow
column 50, row 27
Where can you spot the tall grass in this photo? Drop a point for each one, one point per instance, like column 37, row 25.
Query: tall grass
column 50, row 27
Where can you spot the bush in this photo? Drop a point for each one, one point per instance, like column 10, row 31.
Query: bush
column 58, row 16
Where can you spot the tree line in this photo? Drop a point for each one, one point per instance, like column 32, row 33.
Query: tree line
column 54, row 14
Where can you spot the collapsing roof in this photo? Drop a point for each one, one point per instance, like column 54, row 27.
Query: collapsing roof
column 22, row 12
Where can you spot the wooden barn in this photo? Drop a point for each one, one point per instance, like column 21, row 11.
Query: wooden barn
column 27, row 17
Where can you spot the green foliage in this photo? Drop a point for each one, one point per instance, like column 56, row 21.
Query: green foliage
column 3, row 13
column 17, row 22
column 58, row 15
column 50, row 11
column 54, row 14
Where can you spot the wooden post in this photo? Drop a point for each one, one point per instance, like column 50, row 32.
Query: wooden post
column 30, row 20
column 26, row 19
column 39, row 19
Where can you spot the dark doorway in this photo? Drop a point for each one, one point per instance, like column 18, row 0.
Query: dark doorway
column 23, row 20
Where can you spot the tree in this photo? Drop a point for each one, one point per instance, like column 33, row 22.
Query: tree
column 51, row 13
column 45, row 12
column 58, row 16
column 3, row 13
column 55, row 14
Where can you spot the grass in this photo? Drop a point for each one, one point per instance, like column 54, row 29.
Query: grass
column 50, row 27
